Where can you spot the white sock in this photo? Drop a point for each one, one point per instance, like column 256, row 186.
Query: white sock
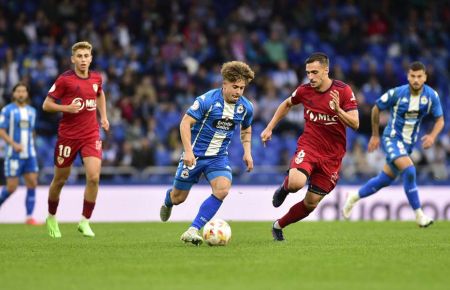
column 419, row 212
column 276, row 225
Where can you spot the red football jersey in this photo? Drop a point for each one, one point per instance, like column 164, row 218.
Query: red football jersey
column 324, row 133
column 70, row 88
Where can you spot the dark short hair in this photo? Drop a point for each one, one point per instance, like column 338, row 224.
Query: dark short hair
column 321, row 57
column 20, row 85
column 417, row 65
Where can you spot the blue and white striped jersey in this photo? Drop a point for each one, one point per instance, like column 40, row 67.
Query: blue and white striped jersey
column 19, row 124
column 216, row 122
column 407, row 111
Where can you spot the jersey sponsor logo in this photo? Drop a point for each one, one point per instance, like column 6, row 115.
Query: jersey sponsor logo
column 90, row 104
column 195, row 105
column 224, row 124
column 412, row 115
column 322, row 118
column 24, row 124
column 240, row 109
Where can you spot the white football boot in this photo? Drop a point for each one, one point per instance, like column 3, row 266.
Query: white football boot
column 352, row 198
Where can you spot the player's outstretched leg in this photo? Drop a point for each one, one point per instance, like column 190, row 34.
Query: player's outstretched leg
column 192, row 236
column 277, row 232
column 85, row 228
column 166, row 208
column 279, row 196
column 422, row 220
column 52, row 227
column 350, row 202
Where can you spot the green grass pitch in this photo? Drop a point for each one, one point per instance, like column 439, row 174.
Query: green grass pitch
column 317, row 255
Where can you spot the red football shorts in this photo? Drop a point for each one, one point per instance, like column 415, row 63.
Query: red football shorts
column 66, row 150
column 323, row 171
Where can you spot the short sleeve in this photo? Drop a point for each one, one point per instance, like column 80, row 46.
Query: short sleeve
column 436, row 108
column 198, row 108
column 349, row 100
column 4, row 118
column 100, row 85
column 58, row 89
column 248, row 118
column 296, row 97
column 387, row 100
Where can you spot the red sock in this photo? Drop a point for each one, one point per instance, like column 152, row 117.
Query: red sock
column 88, row 208
column 52, row 206
column 296, row 213
column 285, row 183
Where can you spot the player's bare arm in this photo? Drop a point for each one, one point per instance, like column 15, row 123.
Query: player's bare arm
column 101, row 106
column 282, row 110
column 350, row 118
column 16, row 146
column 428, row 139
column 185, row 131
column 52, row 107
column 374, row 141
column 246, row 138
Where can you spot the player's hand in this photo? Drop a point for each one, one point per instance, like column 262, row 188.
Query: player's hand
column 427, row 141
column 17, row 147
column 266, row 135
column 374, row 143
column 248, row 160
column 335, row 100
column 189, row 159
column 73, row 108
column 105, row 124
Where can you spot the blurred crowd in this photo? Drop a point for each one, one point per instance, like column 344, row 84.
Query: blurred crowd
column 156, row 56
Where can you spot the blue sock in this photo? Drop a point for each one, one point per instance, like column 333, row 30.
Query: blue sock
column 207, row 210
column 168, row 200
column 410, row 186
column 4, row 194
column 30, row 200
column 375, row 184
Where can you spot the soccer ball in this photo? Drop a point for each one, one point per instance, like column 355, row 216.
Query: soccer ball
column 217, row 232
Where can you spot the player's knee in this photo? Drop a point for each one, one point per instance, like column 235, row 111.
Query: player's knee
column 295, row 186
column 93, row 179
column 59, row 181
column 409, row 174
column 11, row 188
column 177, row 199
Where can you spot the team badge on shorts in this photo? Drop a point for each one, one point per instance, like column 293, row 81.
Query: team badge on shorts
column 60, row 160
column 98, row 145
column 299, row 157
column 185, row 173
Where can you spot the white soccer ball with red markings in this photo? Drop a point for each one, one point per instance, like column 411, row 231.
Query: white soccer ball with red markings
column 217, row 232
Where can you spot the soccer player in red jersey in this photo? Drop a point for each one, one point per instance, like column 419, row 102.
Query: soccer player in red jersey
column 329, row 106
column 77, row 94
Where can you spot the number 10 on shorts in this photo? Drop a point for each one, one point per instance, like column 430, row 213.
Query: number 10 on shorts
column 64, row 151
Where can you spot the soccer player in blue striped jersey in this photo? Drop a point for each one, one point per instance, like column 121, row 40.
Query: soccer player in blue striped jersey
column 408, row 104
column 206, row 131
column 17, row 121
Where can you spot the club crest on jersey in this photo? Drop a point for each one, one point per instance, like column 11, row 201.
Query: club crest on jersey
column 240, row 109
column 95, row 87
column 300, row 156
column 60, row 160
column 195, row 105
column 423, row 100
column 332, row 105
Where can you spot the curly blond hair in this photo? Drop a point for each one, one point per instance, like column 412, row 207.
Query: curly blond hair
column 234, row 71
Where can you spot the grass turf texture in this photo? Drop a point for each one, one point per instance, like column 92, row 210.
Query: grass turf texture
column 317, row 255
